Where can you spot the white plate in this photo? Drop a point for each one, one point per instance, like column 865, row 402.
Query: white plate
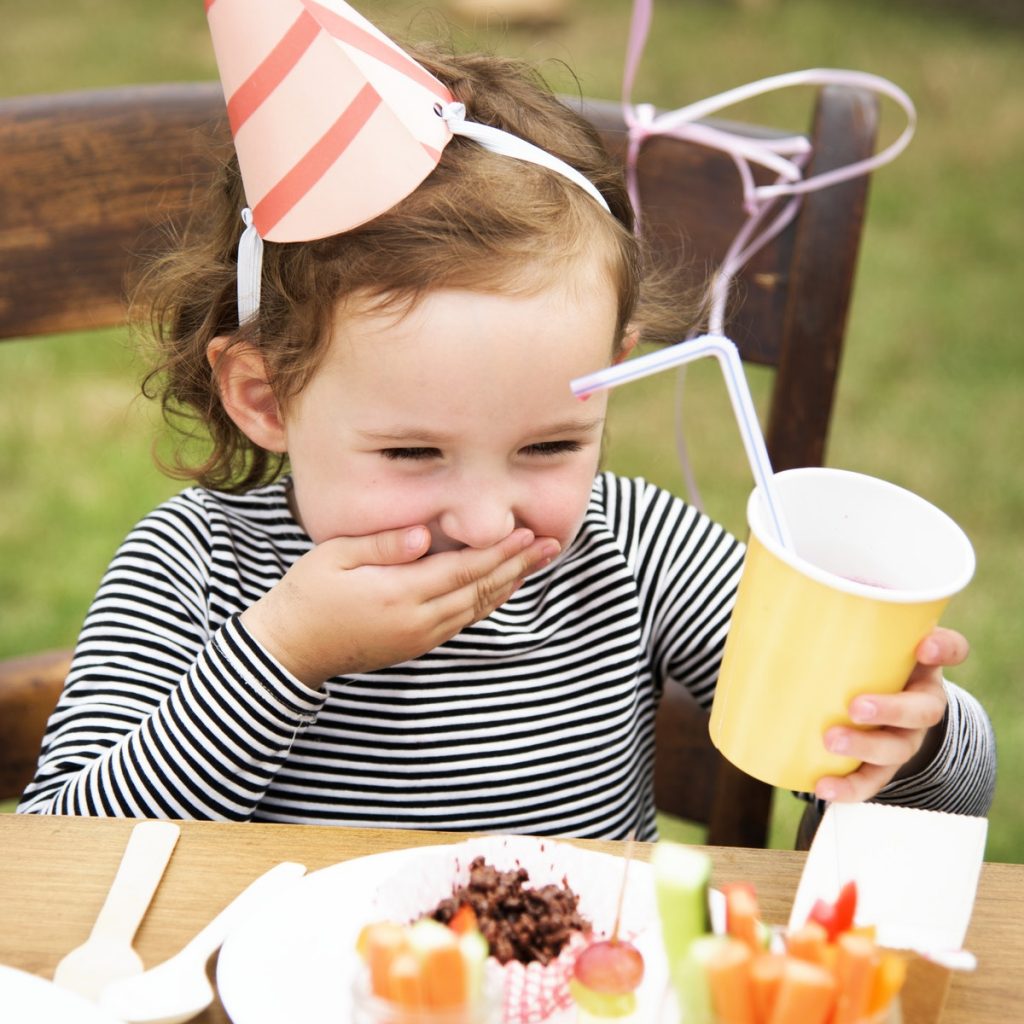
column 28, row 999
column 296, row 963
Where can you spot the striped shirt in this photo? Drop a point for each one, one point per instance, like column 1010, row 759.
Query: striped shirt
column 537, row 719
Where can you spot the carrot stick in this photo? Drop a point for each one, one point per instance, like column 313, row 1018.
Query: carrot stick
column 445, row 977
column 890, row 974
column 380, row 944
column 728, row 973
column 742, row 915
column 464, row 920
column 855, row 971
column 765, row 975
column 406, row 981
column 807, row 993
column 808, row 943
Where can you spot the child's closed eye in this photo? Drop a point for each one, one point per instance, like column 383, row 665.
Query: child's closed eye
column 411, row 454
column 553, row 448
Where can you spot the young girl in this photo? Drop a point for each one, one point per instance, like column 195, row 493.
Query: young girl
column 442, row 615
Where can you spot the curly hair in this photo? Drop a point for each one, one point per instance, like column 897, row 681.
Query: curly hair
column 479, row 221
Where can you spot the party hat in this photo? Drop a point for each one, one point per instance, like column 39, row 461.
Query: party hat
column 333, row 123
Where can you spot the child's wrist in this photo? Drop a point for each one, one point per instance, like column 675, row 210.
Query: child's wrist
column 926, row 753
column 260, row 627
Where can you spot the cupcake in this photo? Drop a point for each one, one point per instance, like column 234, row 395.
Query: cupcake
column 538, row 902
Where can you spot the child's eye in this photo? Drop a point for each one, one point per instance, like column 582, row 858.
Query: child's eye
column 397, row 454
column 553, row 448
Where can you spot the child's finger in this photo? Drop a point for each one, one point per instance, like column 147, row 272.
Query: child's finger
column 454, row 613
column 943, row 647
column 886, row 747
column 470, row 577
column 860, row 785
column 389, row 547
column 920, row 705
column 480, row 595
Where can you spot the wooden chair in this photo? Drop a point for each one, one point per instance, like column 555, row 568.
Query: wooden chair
column 88, row 178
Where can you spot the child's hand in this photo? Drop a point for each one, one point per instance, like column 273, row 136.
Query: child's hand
column 354, row 604
column 903, row 737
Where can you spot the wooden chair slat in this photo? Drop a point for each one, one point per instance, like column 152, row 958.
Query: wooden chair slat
column 90, row 180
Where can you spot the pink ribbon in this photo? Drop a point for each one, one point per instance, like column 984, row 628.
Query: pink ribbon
column 786, row 156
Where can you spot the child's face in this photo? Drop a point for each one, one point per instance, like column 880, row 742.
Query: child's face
column 457, row 416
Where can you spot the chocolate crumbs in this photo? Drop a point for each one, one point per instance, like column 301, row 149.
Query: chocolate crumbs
column 518, row 922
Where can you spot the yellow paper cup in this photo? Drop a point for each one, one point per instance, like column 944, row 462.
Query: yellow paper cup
column 871, row 568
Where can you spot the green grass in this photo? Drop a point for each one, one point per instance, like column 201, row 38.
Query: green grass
column 927, row 394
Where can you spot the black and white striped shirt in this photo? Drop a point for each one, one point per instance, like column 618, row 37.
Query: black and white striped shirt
column 537, row 719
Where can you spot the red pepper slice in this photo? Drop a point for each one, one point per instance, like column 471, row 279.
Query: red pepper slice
column 837, row 917
column 846, row 906
column 824, row 913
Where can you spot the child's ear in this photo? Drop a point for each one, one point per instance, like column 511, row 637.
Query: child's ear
column 246, row 394
column 630, row 340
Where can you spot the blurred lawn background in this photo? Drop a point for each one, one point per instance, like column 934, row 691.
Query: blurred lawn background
column 928, row 393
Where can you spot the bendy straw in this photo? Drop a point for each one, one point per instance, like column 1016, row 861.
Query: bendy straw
column 728, row 357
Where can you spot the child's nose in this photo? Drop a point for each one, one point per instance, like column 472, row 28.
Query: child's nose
column 478, row 517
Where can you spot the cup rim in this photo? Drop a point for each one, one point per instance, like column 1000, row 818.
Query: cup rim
column 759, row 526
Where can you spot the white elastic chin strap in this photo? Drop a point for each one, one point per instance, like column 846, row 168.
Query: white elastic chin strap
column 250, row 245
column 504, row 144
column 250, row 270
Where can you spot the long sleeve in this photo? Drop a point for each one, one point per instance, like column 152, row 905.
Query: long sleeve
column 687, row 569
column 962, row 776
column 171, row 709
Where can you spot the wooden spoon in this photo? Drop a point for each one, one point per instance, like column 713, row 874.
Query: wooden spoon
column 107, row 954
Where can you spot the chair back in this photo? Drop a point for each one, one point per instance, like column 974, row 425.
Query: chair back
column 91, row 180
column 29, row 688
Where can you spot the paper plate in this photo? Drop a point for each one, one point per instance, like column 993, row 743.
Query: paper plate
column 297, row 962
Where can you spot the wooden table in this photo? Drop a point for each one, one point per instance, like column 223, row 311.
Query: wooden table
column 55, row 872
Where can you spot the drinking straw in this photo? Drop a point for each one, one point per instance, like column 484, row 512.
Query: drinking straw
column 728, row 357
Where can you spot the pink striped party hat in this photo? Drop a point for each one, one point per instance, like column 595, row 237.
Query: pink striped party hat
column 333, row 123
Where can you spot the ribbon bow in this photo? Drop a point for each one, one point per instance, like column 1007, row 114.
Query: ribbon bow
column 786, row 156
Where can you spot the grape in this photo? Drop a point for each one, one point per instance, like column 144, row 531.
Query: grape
column 610, row 967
